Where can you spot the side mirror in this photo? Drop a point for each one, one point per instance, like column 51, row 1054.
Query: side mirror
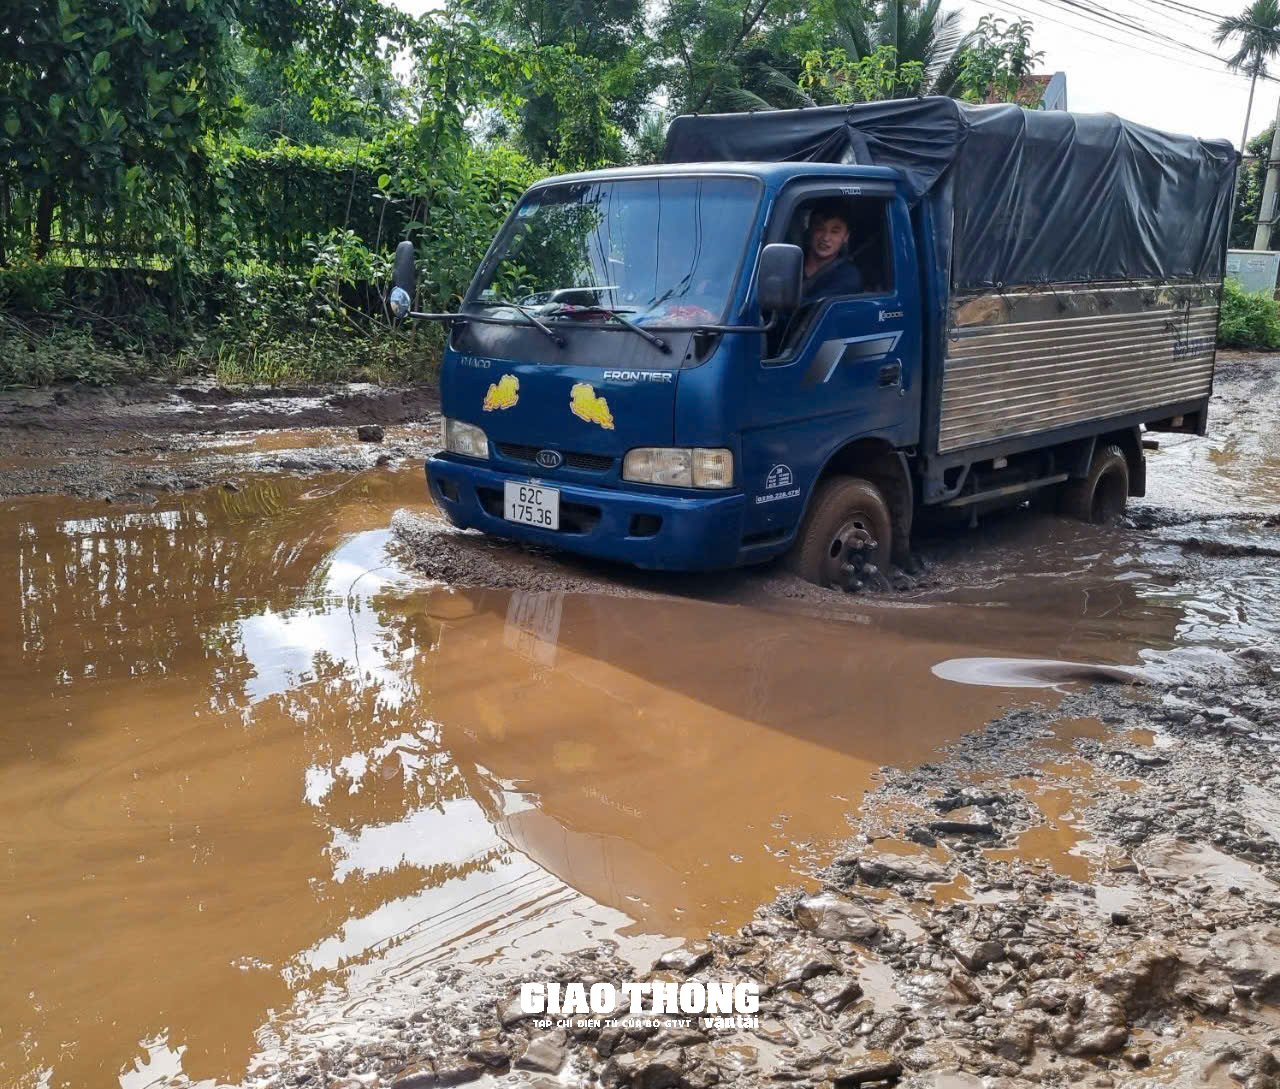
column 404, row 279
column 781, row 276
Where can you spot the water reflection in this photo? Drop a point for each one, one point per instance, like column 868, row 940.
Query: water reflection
column 249, row 758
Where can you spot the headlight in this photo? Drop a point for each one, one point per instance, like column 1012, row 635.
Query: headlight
column 679, row 467
column 465, row 438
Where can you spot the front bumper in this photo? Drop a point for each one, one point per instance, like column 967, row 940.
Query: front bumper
column 670, row 533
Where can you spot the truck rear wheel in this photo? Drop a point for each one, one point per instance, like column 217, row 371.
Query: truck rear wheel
column 1101, row 496
column 848, row 522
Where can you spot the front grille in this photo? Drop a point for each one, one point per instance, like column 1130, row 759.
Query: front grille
column 574, row 517
column 593, row 463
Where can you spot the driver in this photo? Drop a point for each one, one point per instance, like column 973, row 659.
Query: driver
column 827, row 269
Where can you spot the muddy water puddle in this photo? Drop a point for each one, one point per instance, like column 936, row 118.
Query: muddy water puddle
column 255, row 775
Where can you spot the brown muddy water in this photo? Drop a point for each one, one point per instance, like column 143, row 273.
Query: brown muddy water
column 255, row 773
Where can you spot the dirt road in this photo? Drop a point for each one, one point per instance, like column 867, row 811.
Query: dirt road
column 298, row 785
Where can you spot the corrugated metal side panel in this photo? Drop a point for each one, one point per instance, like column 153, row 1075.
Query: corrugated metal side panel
column 1018, row 364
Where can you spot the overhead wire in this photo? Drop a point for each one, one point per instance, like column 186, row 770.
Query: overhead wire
column 1139, row 39
column 1091, row 12
column 1011, row 7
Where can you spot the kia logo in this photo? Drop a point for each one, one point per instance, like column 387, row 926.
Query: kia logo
column 550, row 459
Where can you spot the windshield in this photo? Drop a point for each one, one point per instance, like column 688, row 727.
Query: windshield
column 657, row 250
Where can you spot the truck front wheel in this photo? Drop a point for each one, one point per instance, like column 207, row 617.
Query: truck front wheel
column 1101, row 496
column 848, row 525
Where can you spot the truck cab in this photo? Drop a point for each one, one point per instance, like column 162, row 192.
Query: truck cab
column 640, row 372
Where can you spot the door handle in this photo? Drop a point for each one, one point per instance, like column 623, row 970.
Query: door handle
column 890, row 375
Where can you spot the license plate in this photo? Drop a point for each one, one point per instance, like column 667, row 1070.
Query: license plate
column 531, row 504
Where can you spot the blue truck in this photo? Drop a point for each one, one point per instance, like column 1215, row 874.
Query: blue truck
column 674, row 367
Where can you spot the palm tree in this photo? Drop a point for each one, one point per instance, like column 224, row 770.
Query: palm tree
column 1258, row 28
column 919, row 30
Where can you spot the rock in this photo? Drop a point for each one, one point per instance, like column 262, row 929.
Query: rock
column 1099, row 1027
column 545, row 1053
column 688, row 958
column 644, row 1070
column 1250, row 957
column 963, row 828
column 1205, row 998
column 701, row 1075
column 775, row 1031
column 458, row 1072
column 797, row 960
column 490, row 1052
column 369, row 433
column 887, row 1030
column 1144, row 976
column 418, row 1076
column 1016, row 1038
column 230, row 486
column 966, row 797
column 869, row 1071
column 830, row 915
column 383, row 459
column 833, row 993
column 973, row 954
column 609, row 1039
column 877, row 869
column 917, row 833
column 510, row 1013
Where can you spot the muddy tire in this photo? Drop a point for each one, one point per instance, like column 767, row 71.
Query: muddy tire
column 1101, row 496
column 845, row 509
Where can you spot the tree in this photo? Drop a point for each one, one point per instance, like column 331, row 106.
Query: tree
column 766, row 54
column 1258, row 31
column 919, row 31
column 1249, row 185
column 299, row 99
column 996, row 61
column 103, row 103
column 566, row 42
column 876, row 76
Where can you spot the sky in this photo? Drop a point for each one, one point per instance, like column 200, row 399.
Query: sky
column 1111, row 69
column 1155, row 84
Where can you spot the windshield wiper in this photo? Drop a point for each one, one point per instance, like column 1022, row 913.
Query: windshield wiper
column 541, row 326
column 616, row 315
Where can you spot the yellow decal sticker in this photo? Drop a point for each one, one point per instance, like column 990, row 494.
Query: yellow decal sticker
column 584, row 404
column 502, row 394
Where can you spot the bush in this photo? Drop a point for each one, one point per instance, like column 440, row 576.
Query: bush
column 1248, row 319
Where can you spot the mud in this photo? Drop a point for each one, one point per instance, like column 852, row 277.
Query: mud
column 299, row 784
column 131, row 443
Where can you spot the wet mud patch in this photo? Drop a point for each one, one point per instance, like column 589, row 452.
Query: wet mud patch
column 128, row 444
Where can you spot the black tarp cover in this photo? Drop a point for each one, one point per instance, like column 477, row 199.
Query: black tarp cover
column 1035, row 196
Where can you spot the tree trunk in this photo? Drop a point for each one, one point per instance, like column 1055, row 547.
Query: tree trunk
column 44, row 219
column 1248, row 110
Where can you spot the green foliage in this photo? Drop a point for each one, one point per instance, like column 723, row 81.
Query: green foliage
column 872, row 78
column 30, row 285
column 767, row 54
column 1248, row 319
column 996, row 61
column 1257, row 33
column 587, row 72
column 28, row 358
column 294, row 99
column 1249, row 187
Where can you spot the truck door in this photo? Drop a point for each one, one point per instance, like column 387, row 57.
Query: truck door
column 844, row 366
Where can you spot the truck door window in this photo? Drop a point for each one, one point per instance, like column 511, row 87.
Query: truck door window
column 846, row 246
